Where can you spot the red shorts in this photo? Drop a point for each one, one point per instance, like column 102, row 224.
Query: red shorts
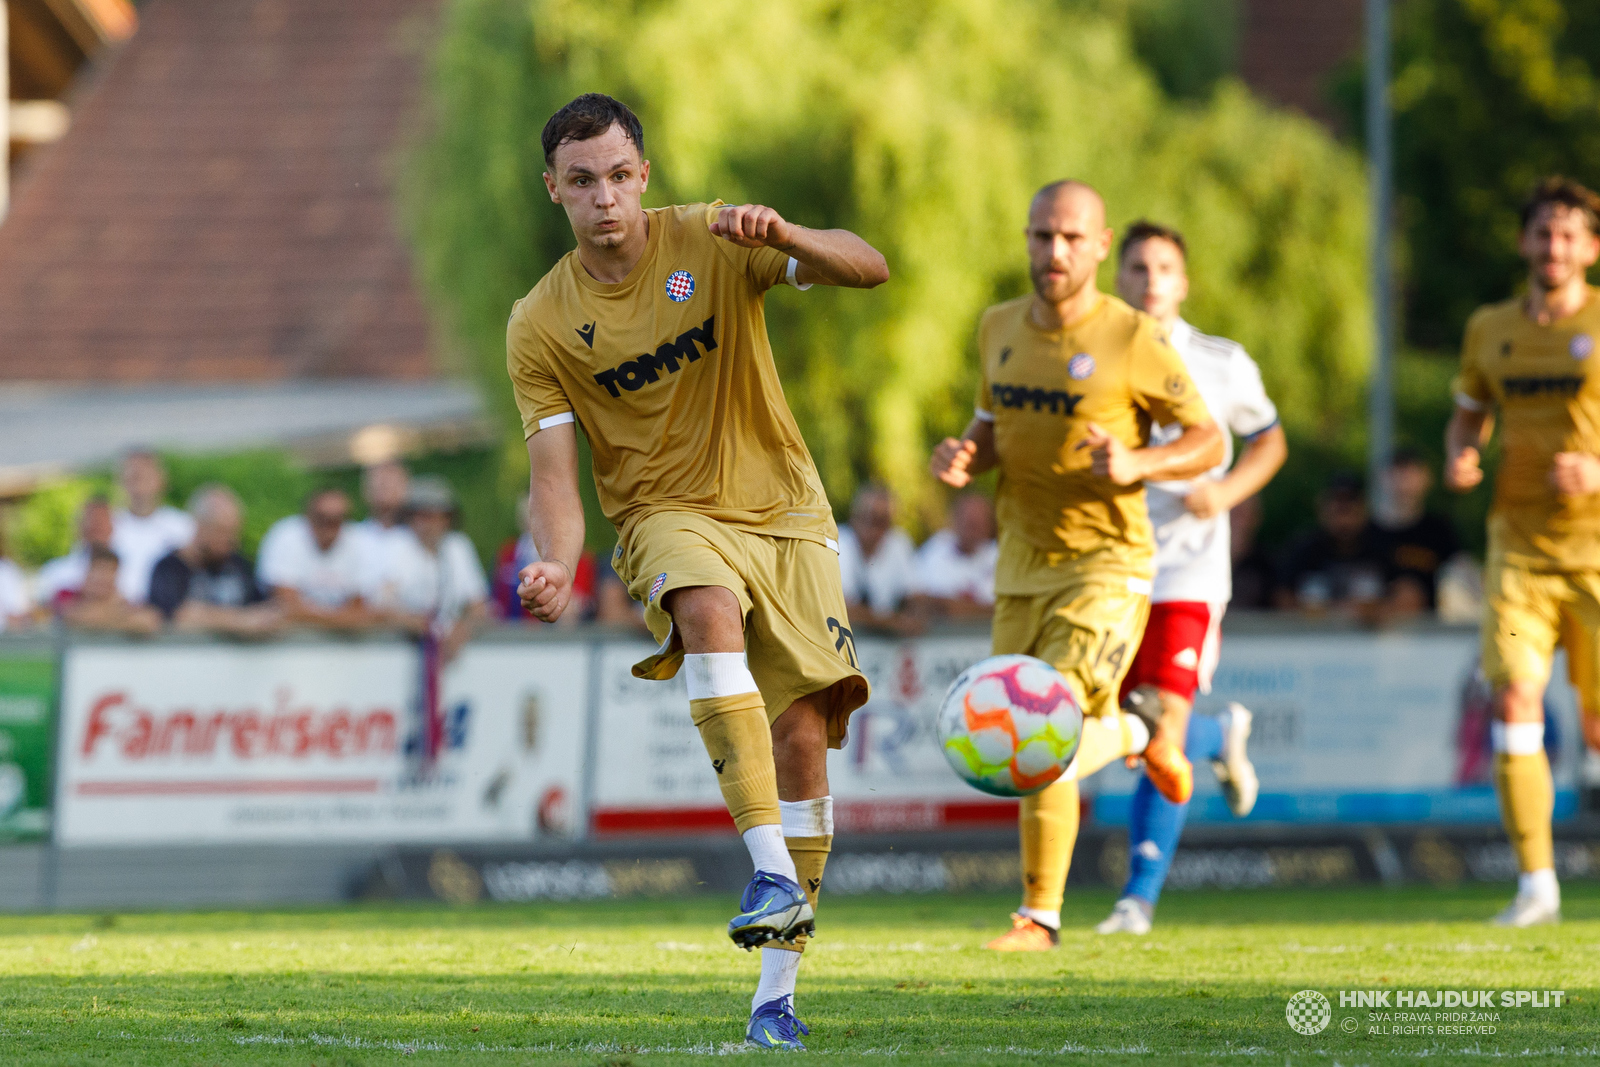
column 1179, row 648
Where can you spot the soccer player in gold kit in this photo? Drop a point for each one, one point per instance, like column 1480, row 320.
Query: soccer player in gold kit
column 651, row 335
column 1529, row 359
column 1073, row 380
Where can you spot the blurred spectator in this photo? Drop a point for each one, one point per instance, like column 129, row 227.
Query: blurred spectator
column 1339, row 564
column 876, row 561
column 311, row 566
column 612, row 604
column 64, row 575
column 516, row 554
column 435, row 583
column 954, row 572
column 1420, row 542
column 13, row 592
column 1253, row 575
column 208, row 584
column 383, row 489
column 148, row 529
column 99, row 605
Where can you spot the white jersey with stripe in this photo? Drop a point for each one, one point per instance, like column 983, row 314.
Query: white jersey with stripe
column 1193, row 559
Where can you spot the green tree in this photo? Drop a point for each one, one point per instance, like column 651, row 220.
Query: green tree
column 1489, row 96
column 925, row 128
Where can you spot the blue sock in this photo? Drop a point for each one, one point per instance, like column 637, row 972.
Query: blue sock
column 1155, row 823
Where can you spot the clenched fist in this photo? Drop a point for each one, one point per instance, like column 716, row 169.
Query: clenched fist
column 545, row 589
column 952, row 460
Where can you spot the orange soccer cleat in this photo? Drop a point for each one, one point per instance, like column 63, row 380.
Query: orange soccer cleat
column 1025, row 935
column 1169, row 770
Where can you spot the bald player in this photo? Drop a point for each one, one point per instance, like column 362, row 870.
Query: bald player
column 652, row 335
column 1529, row 359
column 1073, row 381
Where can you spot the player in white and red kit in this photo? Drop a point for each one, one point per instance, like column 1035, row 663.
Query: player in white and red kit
column 1194, row 568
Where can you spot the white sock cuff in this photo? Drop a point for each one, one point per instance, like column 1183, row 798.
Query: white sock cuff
column 1541, row 883
column 807, row 818
column 1517, row 738
column 1052, row 919
column 717, row 674
column 1138, row 733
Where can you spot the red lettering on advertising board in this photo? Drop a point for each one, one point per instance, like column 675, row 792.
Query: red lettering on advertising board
column 250, row 733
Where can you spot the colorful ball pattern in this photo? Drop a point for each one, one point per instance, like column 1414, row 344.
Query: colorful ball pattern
column 1010, row 725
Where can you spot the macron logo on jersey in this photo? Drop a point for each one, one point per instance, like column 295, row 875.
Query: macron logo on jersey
column 635, row 374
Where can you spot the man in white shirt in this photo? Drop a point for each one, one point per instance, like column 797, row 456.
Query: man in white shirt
column 383, row 489
column 955, row 567
column 312, row 568
column 65, row 575
column 877, row 560
column 434, row 582
column 147, row 529
column 1194, row 566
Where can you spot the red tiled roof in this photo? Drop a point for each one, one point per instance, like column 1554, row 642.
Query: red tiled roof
column 1290, row 49
column 222, row 209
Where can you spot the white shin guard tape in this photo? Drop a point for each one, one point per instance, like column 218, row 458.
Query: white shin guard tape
column 717, row 674
column 1517, row 738
column 807, row 818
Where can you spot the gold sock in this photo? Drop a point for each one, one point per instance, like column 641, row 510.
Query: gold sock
column 739, row 742
column 1105, row 738
column 1527, row 803
column 1049, row 830
column 810, row 855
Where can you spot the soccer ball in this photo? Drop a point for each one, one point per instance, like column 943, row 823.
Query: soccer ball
column 1009, row 725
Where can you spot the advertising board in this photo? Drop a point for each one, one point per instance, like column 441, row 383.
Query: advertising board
column 27, row 717
column 214, row 743
column 1350, row 727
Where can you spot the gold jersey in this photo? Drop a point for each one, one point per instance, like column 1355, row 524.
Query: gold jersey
column 1545, row 381
column 671, row 376
column 1113, row 367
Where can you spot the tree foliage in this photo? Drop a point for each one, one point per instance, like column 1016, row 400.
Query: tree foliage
column 1489, row 96
column 924, row 127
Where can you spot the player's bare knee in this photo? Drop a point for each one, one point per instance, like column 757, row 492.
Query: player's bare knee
column 707, row 618
column 800, row 742
column 1519, row 702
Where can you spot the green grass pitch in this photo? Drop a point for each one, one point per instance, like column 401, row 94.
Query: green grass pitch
column 891, row 980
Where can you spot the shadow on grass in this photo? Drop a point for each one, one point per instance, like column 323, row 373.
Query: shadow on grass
column 1361, row 904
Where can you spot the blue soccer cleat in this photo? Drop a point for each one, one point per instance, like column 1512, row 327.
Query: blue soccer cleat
column 773, row 1025
column 773, row 908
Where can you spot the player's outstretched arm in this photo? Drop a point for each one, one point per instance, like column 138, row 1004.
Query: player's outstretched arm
column 1197, row 450
column 828, row 257
column 1463, row 439
column 555, row 522
column 1263, row 456
column 957, row 462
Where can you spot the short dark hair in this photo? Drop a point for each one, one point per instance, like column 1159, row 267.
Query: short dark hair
column 1143, row 230
column 590, row 115
column 324, row 490
column 1566, row 192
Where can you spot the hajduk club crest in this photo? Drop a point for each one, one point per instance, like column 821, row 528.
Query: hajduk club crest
column 680, row 286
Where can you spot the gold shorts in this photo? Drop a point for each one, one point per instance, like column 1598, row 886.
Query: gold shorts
column 1527, row 613
column 796, row 629
column 1088, row 630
